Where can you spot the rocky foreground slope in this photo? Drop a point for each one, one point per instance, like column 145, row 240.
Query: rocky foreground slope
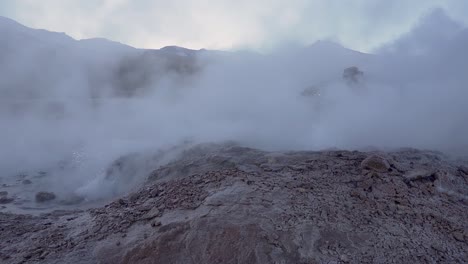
column 228, row 204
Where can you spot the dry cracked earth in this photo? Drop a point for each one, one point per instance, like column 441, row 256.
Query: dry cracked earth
column 230, row 204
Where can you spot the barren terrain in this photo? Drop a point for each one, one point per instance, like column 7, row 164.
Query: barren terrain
column 230, row 204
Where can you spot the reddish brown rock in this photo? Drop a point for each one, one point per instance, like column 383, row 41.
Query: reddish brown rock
column 376, row 163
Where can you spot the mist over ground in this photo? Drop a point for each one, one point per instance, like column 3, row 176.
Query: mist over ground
column 72, row 108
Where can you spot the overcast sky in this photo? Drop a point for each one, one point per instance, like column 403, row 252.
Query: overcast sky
column 231, row 24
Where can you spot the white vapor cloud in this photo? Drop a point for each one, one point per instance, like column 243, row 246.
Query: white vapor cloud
column 71, row 108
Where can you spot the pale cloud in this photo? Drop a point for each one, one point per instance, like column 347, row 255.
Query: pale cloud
column 226, row 24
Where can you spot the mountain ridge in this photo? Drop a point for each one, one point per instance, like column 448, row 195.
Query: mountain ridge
column 6, row 22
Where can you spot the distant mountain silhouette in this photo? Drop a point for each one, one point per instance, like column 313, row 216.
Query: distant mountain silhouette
column 115, row 69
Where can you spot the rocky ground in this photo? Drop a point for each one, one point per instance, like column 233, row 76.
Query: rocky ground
column 229, row 204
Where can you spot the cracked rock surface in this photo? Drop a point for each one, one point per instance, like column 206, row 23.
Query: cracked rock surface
column 229, row 204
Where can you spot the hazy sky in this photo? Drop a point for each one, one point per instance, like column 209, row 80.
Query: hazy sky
column 229, row 24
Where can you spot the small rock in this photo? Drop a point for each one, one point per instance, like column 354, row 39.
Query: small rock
column 43, row 255
column 420, row 174
column 72, row 200
column 375, row 163
column 5, row 200
column 459, row 236
column 42, row 197
column 357, row 194
column 299, row 168
column 301, row 190
column 463, row 169
column 156, row 224
column 154, row 193
column 118, row 243
column 344, row 258
column 134, row 197
column 3, row 193
column 153, row 213
column 26, row 182
column 41, row 174
column 438, row 248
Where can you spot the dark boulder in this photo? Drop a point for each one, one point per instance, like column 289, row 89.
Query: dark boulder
column 42, row 197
